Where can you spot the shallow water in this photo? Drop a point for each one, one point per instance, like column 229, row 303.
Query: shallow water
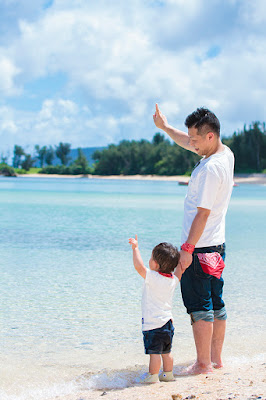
column 71, row 298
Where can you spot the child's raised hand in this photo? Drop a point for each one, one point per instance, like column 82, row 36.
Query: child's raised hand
column 133, row 242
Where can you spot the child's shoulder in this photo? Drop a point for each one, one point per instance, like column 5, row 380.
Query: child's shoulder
column 159, row 278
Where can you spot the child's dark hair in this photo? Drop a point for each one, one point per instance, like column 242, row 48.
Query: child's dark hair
column 203, row 117
column 167, row 256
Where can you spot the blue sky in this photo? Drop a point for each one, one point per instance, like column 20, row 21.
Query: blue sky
column 89, row 73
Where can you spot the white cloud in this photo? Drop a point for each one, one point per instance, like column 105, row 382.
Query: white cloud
column 119, row 58
column 8, row 73
column 60, row 108
column 7, row 123
column 57, row 121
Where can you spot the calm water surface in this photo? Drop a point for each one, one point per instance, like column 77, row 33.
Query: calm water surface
column 70, row 298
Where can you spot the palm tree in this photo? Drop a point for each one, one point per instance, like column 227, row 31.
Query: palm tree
column 62, row 152
column 18, row 153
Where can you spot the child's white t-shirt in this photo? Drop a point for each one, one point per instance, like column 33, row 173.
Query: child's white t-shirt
column 157, row 298
column 210, row 187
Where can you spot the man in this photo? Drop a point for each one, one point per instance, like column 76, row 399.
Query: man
column 203, row 234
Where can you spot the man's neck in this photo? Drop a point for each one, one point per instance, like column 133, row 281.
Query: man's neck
column 217, row 147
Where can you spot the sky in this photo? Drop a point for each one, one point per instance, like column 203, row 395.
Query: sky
column 89, row 72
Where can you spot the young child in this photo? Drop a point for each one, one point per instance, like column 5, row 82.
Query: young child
column 157, row 327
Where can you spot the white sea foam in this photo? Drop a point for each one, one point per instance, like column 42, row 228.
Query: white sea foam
column 42, row 393
column 245, row 359
column 105, row 380
column 112, row 380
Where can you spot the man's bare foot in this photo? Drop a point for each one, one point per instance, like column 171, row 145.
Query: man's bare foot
column 217, row 365
column 198, row 368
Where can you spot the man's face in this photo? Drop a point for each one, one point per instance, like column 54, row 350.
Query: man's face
column 201, row 143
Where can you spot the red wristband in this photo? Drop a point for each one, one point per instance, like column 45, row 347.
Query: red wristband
column 188, row 247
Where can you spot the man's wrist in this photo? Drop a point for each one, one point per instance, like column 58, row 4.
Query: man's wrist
column 189, row 248
column 168, row 128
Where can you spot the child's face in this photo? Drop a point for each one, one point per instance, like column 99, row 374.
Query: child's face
column 154, row 266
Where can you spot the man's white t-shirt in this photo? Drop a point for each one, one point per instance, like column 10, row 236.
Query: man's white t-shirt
column 210, row 187
column 157, row 298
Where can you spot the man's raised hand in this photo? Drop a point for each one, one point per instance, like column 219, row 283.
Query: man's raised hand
column 159, row 119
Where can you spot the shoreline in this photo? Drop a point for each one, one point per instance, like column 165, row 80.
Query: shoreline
column 242, row 382
column 239, row 379
column 258, row 179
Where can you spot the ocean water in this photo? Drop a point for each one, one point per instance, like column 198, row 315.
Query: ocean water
column 70, row 308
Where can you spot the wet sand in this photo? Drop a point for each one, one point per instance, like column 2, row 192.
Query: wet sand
column 245, row 382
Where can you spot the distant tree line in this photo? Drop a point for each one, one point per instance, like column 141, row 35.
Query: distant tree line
column 158, row 157
column 45, row 157
column 161, row 157
column 249, row 148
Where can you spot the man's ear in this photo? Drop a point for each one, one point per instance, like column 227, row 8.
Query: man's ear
column 210, row 135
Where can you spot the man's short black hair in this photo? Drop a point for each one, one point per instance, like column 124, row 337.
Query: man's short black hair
column 203, row 117
column 167, row 256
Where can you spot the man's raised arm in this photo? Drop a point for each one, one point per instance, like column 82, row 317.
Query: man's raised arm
column 181, row 138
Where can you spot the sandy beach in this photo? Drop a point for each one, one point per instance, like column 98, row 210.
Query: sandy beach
column 259, row 179
column 231, row 382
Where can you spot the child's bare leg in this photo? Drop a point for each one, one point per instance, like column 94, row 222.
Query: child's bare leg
column 155, row 363
column 168, row 362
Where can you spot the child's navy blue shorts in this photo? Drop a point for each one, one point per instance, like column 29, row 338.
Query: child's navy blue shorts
column 159, row 340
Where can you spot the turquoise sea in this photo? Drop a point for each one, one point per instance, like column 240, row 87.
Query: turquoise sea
column 70, row 297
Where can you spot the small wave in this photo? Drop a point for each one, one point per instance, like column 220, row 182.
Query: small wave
column 102, row 380
column 43, row 393
column 116, row 379
column 119, row 379
column 246, row 359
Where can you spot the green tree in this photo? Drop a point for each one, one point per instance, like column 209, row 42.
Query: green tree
column 6, row 170
column 144, row 162
column 28, row 162
column 176, row 161
column 41, row 153
column 49, row 155
column 62, row 152
column 4, row 158
column 158, row 138
column 144, row 157
column 249, row 148
column 257, row 143
column 18, row 153
column 81, row 163
column 108, row 161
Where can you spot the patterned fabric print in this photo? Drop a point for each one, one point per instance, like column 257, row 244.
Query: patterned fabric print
column 211, row 263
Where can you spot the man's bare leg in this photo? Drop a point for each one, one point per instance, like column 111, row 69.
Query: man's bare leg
column 218, row 335
column 202, row 331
